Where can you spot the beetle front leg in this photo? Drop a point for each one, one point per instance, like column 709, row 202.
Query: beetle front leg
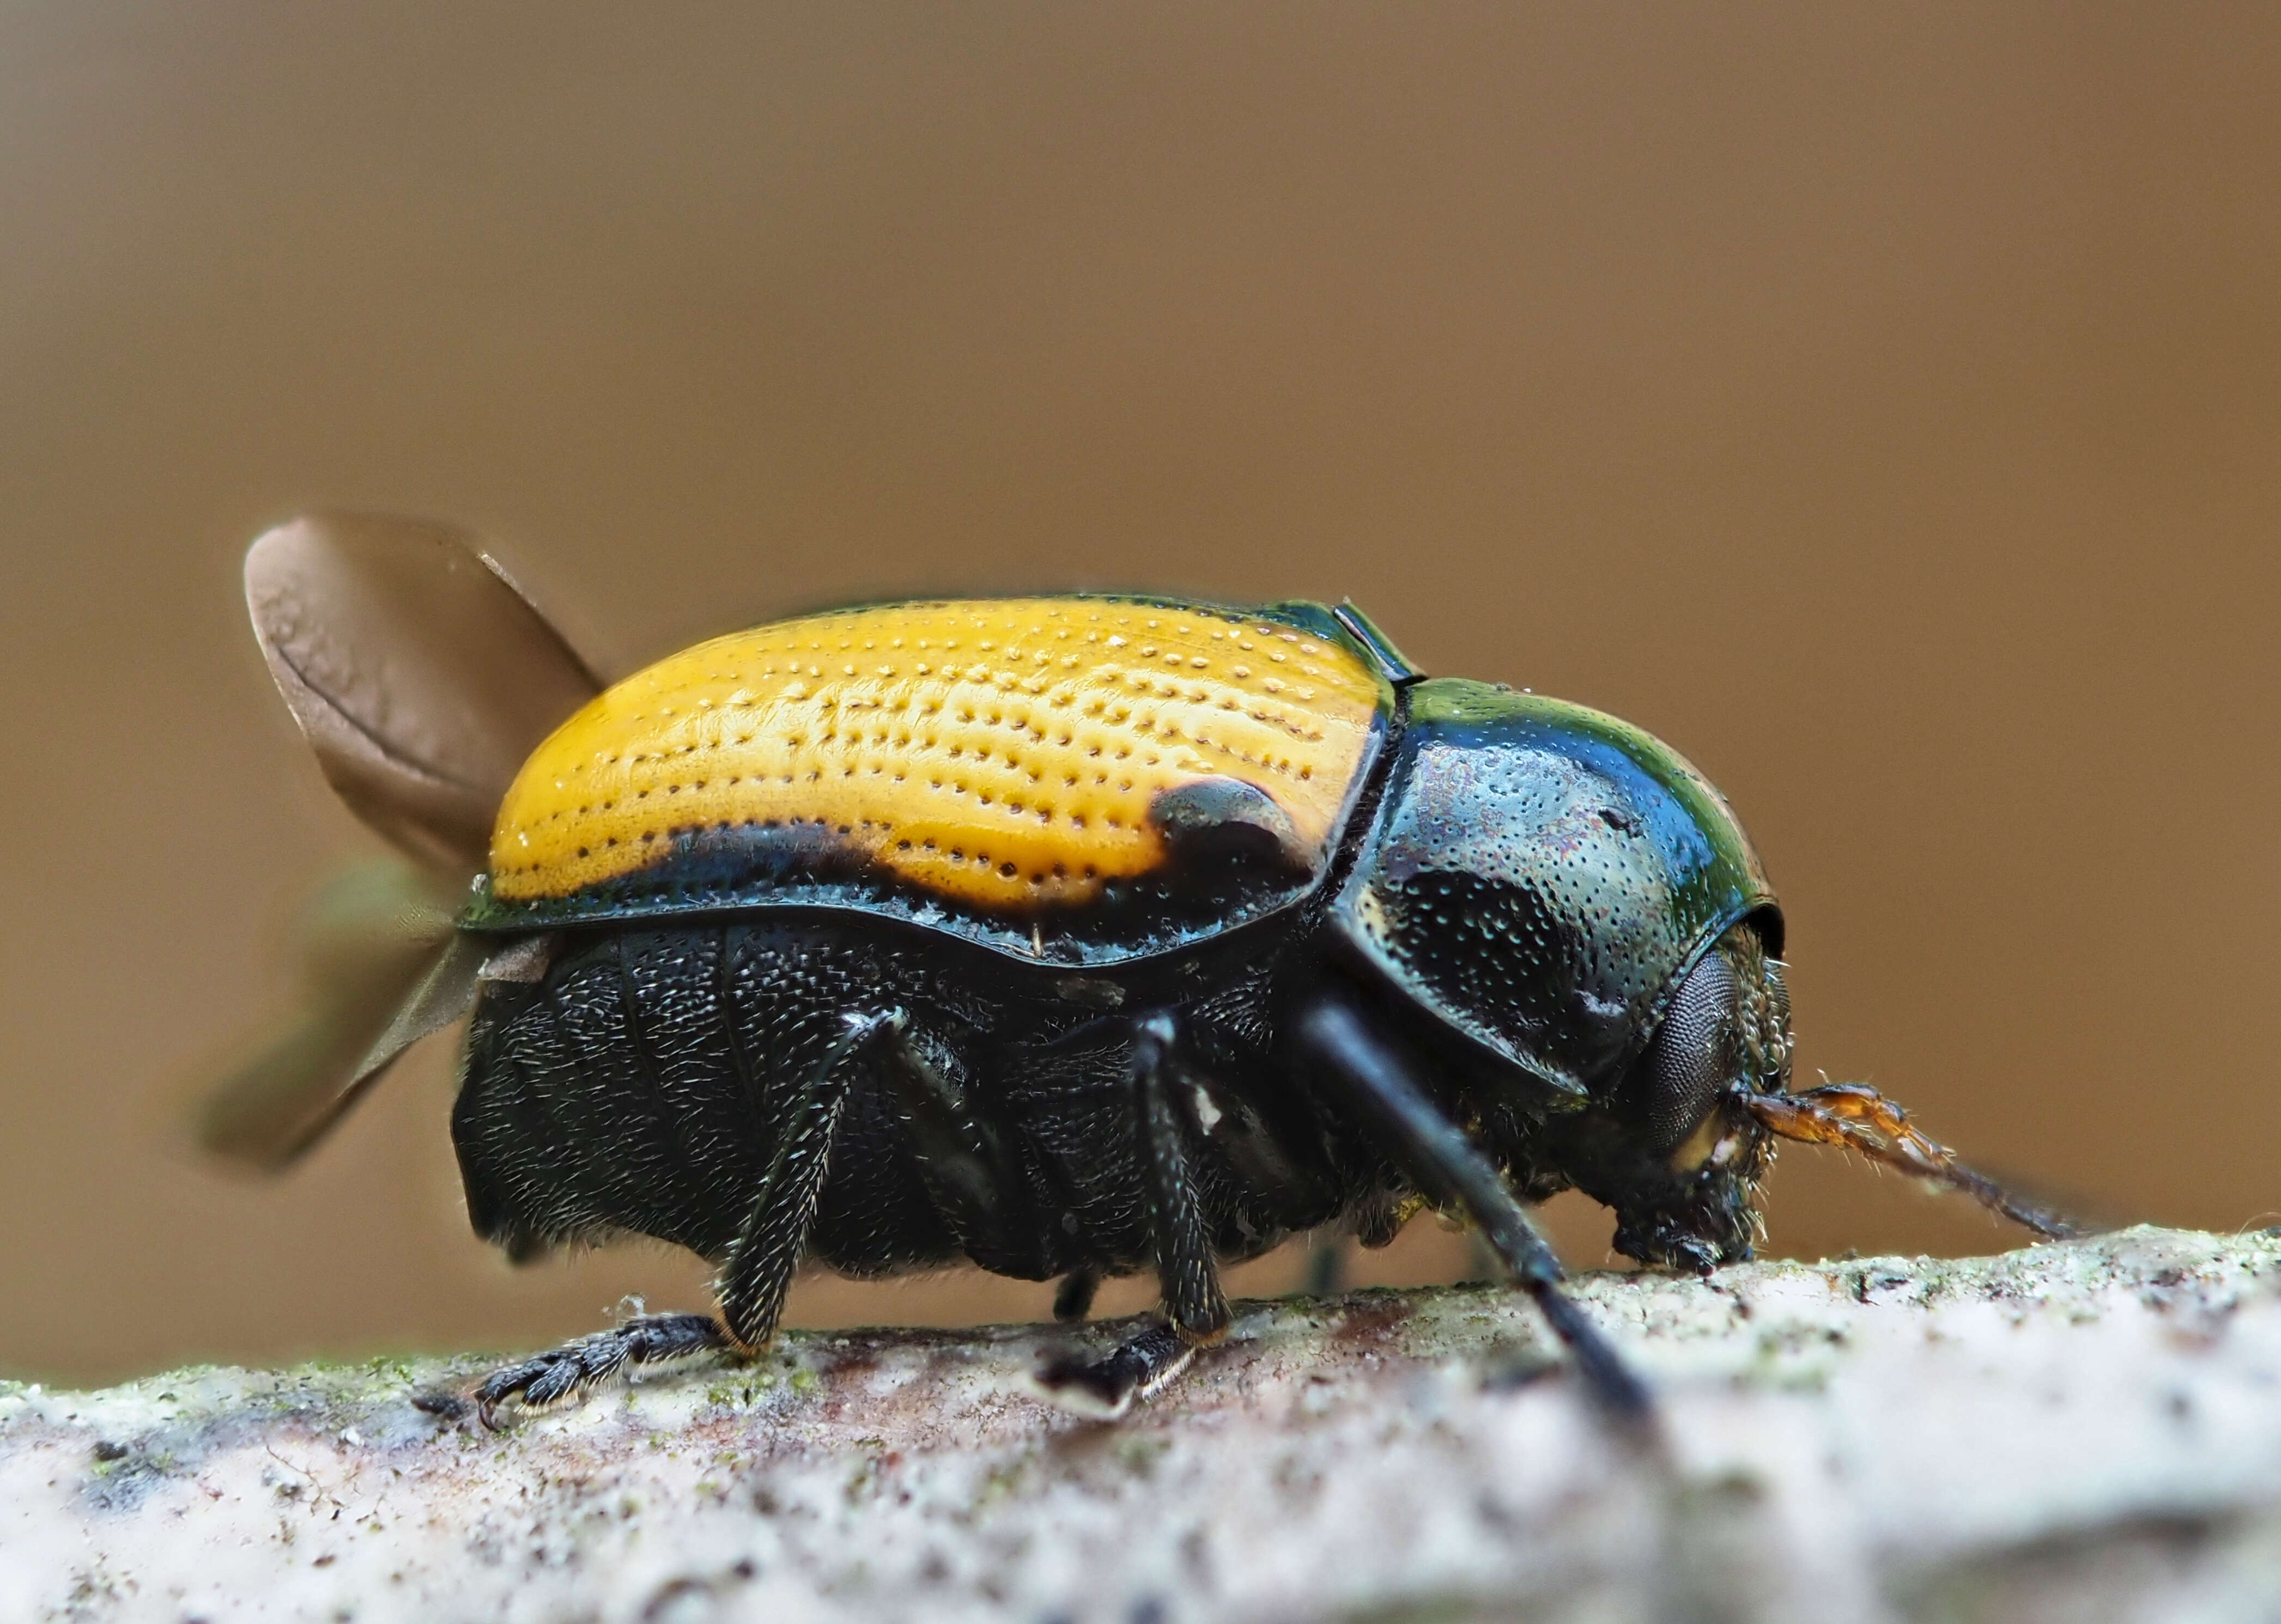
column 1373, row 1077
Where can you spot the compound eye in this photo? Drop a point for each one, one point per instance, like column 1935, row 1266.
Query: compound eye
column 1688, row 1062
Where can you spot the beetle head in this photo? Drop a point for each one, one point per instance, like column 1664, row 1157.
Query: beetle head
column 1575, row 906
column 1676, row 1150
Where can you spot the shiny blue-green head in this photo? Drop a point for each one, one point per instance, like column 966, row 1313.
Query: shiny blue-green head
column 1580, row 906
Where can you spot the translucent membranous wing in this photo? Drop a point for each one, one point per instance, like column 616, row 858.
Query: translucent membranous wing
column 420, row 676
column 368, row 944
column 422, row 679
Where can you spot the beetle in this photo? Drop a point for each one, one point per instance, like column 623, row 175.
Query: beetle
column 1072, row 936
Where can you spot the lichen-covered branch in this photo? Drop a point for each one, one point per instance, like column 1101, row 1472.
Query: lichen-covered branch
column 2090, row 1430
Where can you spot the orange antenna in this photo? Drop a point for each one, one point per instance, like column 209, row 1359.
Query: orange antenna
column 1857, row 1118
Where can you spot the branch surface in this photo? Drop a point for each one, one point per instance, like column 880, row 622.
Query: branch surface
column 2087, row 1430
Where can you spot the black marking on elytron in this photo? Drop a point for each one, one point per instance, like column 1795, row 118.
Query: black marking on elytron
column 764, row 868
column 1232, row 866
column 1226, row 820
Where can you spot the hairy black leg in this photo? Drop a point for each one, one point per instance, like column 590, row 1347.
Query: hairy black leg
column 760, row 1271
column 1106, row 1388
column 1187, row 1273
column 973, row 1182
column 1073, row 1300
column 1373, row 1077
column 1378, row 1221
column 774, row 1235
column 551, row 1377
column 1268, row 1137
column 1185, row 1268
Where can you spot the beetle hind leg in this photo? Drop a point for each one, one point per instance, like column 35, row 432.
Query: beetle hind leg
column 761, row 1266
column 576, row 1367
column 970, row 1172
column 774, row 1236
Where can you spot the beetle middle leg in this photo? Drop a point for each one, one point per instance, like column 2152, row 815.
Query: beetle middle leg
column 1374, row 1078
column 1187, row 1271
column 1073, row 1298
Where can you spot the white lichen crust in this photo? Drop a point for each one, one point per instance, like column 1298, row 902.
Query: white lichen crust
column 2083, row 1431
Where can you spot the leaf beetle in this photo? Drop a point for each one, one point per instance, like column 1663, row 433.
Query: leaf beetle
column 1072, row 936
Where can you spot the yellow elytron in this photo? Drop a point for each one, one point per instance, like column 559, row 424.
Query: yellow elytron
column 1000, row 752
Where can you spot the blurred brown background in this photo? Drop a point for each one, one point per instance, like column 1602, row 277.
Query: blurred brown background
column 1883, row 405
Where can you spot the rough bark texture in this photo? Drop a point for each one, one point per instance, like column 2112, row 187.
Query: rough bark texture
column 2080, row 1432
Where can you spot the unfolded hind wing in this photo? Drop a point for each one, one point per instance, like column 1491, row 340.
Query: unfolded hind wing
column 421, row 677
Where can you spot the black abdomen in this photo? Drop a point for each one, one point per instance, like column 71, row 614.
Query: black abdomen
column 636, row 1086
column 642, row 1087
